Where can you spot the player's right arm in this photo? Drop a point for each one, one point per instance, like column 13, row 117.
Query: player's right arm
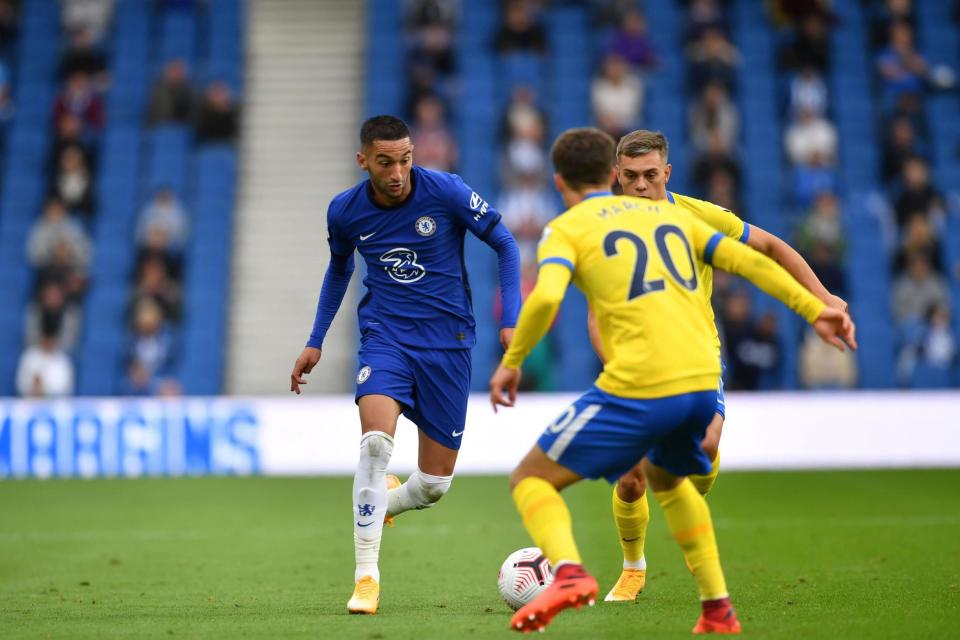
column 832, row 325
column 335, row 284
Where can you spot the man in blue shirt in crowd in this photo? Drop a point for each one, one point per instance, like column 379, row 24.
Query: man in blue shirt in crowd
column 416, row 325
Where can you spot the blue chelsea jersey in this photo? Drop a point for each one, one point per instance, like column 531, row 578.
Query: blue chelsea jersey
column 418, row 293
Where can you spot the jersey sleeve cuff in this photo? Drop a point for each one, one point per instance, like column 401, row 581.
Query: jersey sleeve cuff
column 557, row 260
column 711, row 247
column 746, row 233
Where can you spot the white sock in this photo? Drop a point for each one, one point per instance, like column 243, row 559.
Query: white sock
column 370, row 501
column 420, row 491
column 638, row 564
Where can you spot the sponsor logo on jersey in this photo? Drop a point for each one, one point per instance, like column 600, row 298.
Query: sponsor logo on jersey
column 479, row 205
column 402, row 265
column 426, row 226
column 363, row 375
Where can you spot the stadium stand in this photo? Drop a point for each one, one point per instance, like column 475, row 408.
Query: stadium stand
column 133, row 161
column 773, row 194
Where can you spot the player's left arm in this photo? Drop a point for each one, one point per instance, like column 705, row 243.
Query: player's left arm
column 536, row 316
column 483, row 221
column 794, row 264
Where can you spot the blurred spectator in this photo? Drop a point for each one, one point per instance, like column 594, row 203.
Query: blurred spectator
column 918, row 239
column 823, row 367
column 73, row 184
column 722, row 191
column 917, row 290
column 83, row 56
column 822, row 225
column 424, row 13
column 52, row 308
column 165, row 212
column 703, row 15
column 810, row 46
column 527, row 206
column 432, row 47
column 9, row 26
column 939, row 347
column 217, row 120
column 69, row 134
column 712, row 58
column 521, row 113
column 808, row 92
column 713, row 115
column 632, row 42
column 811, row 139
column 154, row 284
column 918, row 194
column 151, row 343
column 787, row 13
column 617, row 97
column 524, row 151
column 80, row 99
column 6, row 99
column 171, row 99
column 716, row 159
column 810, row 180
column 521, row 31
column 899, row 146
column 436, row 146
column 44, row 370
column 902, row 69
column 823, row 260
column 57, row 242
column 91, row 15
column 885, row 16
column 156, row 244
column 752, row 348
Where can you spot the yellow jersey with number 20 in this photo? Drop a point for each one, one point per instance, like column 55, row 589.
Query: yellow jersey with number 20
column 640, row 264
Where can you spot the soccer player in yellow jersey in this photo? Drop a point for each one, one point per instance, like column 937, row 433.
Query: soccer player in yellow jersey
column 638, row 263
column 643, row 170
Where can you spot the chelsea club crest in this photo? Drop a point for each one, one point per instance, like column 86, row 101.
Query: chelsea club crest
column 363, row 375
column 426, row 226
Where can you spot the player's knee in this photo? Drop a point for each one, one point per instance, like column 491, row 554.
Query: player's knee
column 710, row 447
column 631, row 486
column 376, row 447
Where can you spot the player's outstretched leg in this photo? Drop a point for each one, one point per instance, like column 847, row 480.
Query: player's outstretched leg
column 420, row 491
column 547, row 520
column 393, row 483
column 631, row 512
column 688, row 519
column 369, row 509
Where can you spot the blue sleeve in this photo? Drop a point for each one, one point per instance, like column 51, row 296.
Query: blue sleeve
column 470, row 209
column 335, row 284
column 340, row 243
column 508, row 263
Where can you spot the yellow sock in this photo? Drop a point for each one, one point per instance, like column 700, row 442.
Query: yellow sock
column 705, row 483
column 632, row 519
column 688, row 518
column 547, row 519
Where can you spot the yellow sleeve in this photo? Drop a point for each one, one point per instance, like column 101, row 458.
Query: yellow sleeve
column 723, row 220
column 556, row 247
column 537, row 312
column 720, row 252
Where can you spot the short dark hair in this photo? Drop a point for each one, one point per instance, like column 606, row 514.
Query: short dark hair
column 383, row 128
column 583, row 157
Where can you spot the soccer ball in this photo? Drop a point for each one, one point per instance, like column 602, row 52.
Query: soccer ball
column 523, row 575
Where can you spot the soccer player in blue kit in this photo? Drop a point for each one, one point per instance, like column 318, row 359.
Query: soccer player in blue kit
column 416, row 325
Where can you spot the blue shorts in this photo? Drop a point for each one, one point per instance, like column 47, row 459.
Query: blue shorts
column 432, row 385
column 721, row 400
column 604, row 436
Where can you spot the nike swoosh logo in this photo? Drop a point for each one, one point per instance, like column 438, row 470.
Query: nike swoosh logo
column 364, row 237
column 365, row 525
column 630, row 539
column 457, row 434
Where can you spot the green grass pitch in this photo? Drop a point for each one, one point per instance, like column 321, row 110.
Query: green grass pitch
column 807, row 555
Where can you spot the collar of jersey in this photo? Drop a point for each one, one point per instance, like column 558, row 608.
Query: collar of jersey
column 413, row 190
column 598, row 194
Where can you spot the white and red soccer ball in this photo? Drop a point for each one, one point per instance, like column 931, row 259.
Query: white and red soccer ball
column 523, row 575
